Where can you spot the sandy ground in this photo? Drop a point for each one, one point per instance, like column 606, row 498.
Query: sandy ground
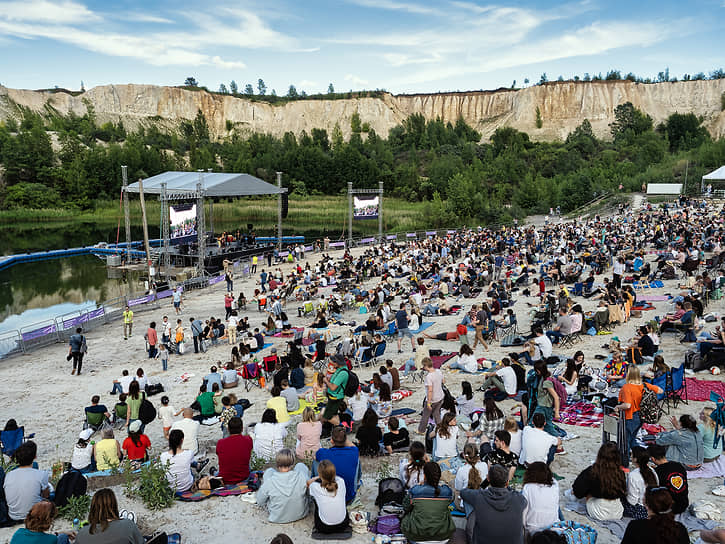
column 41, row 394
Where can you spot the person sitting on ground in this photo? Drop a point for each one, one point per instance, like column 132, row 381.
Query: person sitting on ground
column 707, row 429
column 105, row 525
column 107, row 452
column 346, row 458
column 541, row 492
column 383, row 403
column 96, row 414
column 121, row 385
column 659, row 527
column 466, row 360
column 570, row 378
column 503, row 378
column 369, row 435
column 445, row 437
column 269, row 435
column 190, row 427
column 137, row 446
column 234, row 453
column 616, row 369
column 230, row 378
column 603, row 484
column 290, row 395
column 498, row 510
column 638, row 480
column 470, row 475
column 397, row 437
column 427, row 517
column 684, row 444
column 284, row 489
column 385, row 377
column 212, row 378
column 536, row 443
column 37, row 524
column 24, row 486
column 394, row 374
column 204, row 403
column 82, row 458
column 309, row 431
column 672, row 475
column 278, row 403
column 120, row 409
column 501, row 454
column 490, row 421
column 327, row 489
column 179, row 462
column 134, row 400
column 411, row 467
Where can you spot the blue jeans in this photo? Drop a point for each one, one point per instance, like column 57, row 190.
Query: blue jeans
column 152, row 352
column 466, row 320
column 632, row 427
column 554, row 336
column 409, row 365
column 459, row 366
column 549, row 415
column 117, row 388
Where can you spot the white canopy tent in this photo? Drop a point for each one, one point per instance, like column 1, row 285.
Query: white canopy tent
column 717, row 175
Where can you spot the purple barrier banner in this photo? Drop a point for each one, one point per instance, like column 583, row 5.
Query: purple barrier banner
column 309, row 248
column 245, row 270
column 142, row 300
column 451, row 231
column 430, row 233
column 367, row 240
column 410, row 235
column 38, row 333
column 164, row 294
column 214, row 281
column 283, row 253
column 391, row 237
column 337, row 244
column 71, row 323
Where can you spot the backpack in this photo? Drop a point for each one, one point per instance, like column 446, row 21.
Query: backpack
column 390, row 495
column 634, row 355
column 72, row 484
column 352, row 385
column 649, row 411
column 146, row 412
column 560, row 389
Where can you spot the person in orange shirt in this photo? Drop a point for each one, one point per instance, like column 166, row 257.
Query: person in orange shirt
column 630, row 398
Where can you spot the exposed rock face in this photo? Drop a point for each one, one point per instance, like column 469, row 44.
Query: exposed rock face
column 563, row 107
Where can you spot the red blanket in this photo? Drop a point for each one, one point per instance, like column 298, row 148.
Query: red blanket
column 582, row 413
column 700, row 389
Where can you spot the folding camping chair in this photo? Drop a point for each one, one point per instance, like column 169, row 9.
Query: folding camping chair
column 251, row 375
column 308, row 308
column 676, row 388
column 390, row 333
column 94, row 421
column 269, row 365
column 11, row 440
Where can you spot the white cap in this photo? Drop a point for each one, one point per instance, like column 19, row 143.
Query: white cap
column 135, row 426
column 85, row 434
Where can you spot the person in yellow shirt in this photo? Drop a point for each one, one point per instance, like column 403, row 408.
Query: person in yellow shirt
column 255, row 260
column 279, row 404
column 127, row 323
column 107, row 452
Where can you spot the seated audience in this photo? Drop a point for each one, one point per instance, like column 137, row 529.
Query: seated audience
column 659, row 527
column 327, row 489
column 684, row 444
column 638, row 480
column 105, row 525
column 309, row 431
column 411, row 468
column 234, row 453
column 397, row 437
column 369, row 435
column 24, row 486
column 427, row 517
column 541, row 492
column 673, row 476
column 603, row 484
column 137, row 446
column 269, row 435
column 284, row 489
column 536, row 443
column 107, row 452
column 346, row 458
column 37, row 524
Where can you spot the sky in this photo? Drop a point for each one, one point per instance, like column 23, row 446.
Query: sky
column 403, row 46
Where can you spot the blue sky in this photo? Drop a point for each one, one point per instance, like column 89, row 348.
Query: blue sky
column 404, row 46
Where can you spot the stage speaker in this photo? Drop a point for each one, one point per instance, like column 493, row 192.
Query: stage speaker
column 250, row 227
column 284, row 206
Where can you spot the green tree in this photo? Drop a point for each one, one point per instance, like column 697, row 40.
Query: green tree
column 233, row 87
column 543, row 79
column 539, row 121
column 684, row 131
column 330, row 89
column 191, row 82
column 261, row 87
column 292, row 92
column 248, row 89
column 355, row 124
column 223, row 89
column 629, row 121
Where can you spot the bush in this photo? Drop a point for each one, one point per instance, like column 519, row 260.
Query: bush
column 77, row 508
column 149, row 484
column 31, row 195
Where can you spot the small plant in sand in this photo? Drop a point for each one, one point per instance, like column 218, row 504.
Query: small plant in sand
column 385, row 470
column 149, row 484
column 77, row 508
column 256, row 463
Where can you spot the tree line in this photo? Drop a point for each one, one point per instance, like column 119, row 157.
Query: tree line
column 441, row 163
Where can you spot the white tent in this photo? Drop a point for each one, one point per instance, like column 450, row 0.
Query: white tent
column 213, row 184
column 717, row 175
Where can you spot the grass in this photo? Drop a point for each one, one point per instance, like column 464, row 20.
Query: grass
column 310, row 213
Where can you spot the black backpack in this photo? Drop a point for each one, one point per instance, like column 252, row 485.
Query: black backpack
column 649, row 410
column 146, row 412
column 71, row 484
column 390, row 493
column 353, row 383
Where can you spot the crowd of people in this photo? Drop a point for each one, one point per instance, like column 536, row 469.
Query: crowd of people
column 459, row 450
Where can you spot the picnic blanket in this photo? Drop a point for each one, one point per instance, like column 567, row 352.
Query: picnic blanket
column 440, row 360
column 289, row 333
column 618, row 526
column 582, row 413
column 224, row 491
column 423, row 326
column 402, row 412
column 303, row 404
column 716, row 469
column 700, row 389
column 401, row 394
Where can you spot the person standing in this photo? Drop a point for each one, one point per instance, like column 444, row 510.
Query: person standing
column 630, row 398
column 196, row 329
column 77, row 348
column 179, row 337
column 229, row 278
column 153, row 339
column 177, row 300
column 335, row 390
column 402, row 322
column 165, row 330
column 255, row 260
column 481, row 322
column 433, row 395
column 127, row 323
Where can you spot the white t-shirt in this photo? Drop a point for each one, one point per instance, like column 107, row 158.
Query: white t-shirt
column 81, row 457
column 142, row 381
column 544, row 345
column 179, row 472
column 190, row 428
column 434, row 378
column 387, row 378
column 233, row 321
column 446, row 447
column 230, row 376
column 269, row 439
column 415, row 477
column 636, row 487
column 125, row 381
column 461, row 481
column 331, row 508
column 358, row 406
column 22, row 490
column 542, row 507
column 166, row 413
column 535, row 445
column 508, row 377
column 468, row 362
column 515, row 445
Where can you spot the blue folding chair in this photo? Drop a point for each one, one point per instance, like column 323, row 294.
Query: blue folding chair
column 11, row 440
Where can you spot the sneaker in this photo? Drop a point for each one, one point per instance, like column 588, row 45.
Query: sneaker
column 560, row 451
column 201, row 464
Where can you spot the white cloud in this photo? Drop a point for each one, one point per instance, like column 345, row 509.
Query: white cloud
column 143, row 18
column 355, row 80
column 46, row 11
column 401, row 59
column 396, row 6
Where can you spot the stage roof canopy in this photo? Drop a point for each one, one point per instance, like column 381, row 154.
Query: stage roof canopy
column 717, row 175
column 213, row 184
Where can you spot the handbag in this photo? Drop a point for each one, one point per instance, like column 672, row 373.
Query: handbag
column 575, row 533
column 385, row 525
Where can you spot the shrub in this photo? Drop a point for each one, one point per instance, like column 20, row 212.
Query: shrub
column 149, row 484
column 77, row 508
column 539, row 121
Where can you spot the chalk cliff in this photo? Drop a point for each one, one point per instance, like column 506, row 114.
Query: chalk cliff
column 563, row 106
